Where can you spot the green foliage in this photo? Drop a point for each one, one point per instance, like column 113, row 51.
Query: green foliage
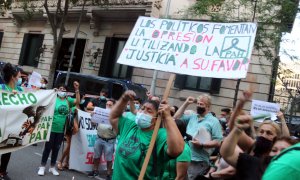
column 4, row 5
column 272, row 16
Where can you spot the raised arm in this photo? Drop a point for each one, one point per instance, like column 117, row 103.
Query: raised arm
column 245, row 142
column 229, row 150
column 284, row 129
column 132, row 107
column 119, row 108
column 182, row 108
column 76, row 88
column 174, row 138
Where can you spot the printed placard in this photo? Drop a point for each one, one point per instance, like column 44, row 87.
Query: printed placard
column 101, row 115
column 264, row 108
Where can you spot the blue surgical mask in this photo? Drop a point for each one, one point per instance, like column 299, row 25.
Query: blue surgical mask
column 82, row 101
column 143, row 120
column 102, row 98
column 62, row 94
column 137, row 106
column 223, row 119
column 19, row 83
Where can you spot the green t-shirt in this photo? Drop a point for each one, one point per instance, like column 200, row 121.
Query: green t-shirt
column 170, row 166
column 60, row 113
column 7, row 88
column 132, row 148
column 284, row 166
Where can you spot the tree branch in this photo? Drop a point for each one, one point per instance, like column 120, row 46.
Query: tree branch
column 53, row 27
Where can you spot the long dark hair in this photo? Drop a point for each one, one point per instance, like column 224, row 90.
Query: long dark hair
column 9, row 71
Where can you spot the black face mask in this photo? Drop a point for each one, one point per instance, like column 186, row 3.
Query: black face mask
column 262, row 146
column 200, row 110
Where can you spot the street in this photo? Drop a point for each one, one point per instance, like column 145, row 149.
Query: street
column 24, row 165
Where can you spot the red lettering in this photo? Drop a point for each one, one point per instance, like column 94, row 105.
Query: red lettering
column 178, row 38
column 202, row 67
column 164, row 33
column 222, row 65
column 186, row 37
column 89, row 158
column 171, row 35
column 207, row 39
column 197, row 64
column 214, row 64
column 229, row 66
column 184, row 63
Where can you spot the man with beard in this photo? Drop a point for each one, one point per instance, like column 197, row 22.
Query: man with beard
column 203, row 125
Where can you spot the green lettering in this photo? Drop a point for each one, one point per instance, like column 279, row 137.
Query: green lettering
column 38, row 136
column 22, row 98
column 32, row 136
column 5, row 99
column 45, row 134
column 32, row 98
column 12, row 99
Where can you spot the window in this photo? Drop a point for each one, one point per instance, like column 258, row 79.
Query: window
column 117, row 90
column 206, row 84
column 109, row 67
column 1, row 37
column 93, row 86
column 30, row 52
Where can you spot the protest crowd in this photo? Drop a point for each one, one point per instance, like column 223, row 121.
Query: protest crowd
column 191, row 143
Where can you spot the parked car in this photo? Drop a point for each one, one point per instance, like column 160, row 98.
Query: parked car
column 92, row 85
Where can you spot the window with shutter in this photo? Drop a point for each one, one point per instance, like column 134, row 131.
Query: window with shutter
column 109, row 67
column 205, row 84
column 1, row 37
column 30, row 52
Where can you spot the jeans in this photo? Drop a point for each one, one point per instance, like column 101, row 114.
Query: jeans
column 197, row 168
column 53, row 145
column 4, row 162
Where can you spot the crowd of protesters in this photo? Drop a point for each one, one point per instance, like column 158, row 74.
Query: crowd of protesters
column 191, row 144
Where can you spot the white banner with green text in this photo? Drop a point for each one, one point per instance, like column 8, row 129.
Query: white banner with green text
column 26, row 118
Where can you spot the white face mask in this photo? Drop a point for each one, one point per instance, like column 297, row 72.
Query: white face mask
column 43, row 86
column 62, row 94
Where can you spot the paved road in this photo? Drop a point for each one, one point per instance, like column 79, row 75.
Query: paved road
column 24, row 166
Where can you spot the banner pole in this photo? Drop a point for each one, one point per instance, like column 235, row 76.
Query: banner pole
column 155, row 131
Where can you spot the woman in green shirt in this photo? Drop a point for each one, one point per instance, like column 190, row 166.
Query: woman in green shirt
column 62, row 108
column 12, row 79
column 135, row 133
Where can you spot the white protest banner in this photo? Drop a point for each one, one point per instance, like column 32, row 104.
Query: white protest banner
column 262, row 107
column 220, row 50
column 35, row 80
column 26, row 118
column 101, row 115
column 82, row 145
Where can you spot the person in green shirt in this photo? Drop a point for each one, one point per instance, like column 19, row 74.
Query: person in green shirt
column 285, row 165
column 12, row 79
column 177, row 168
column 62, row 108
column 135, row 135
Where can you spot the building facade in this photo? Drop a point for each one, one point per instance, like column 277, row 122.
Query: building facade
column 103, row 33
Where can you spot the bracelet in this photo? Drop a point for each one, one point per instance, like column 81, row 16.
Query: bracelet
column 76, row 91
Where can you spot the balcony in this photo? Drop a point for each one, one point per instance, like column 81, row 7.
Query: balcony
column 104, row 10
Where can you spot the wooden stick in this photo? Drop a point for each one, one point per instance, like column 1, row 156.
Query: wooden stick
column 155, row 131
